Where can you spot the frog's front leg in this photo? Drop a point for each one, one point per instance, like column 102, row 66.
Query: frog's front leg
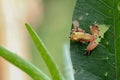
column 76, row 27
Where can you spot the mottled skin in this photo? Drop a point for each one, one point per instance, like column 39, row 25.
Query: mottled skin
column 79, row 34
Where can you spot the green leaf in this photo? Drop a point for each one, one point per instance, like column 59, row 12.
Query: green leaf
column 22, row 64
column 117, row 37
column 52, row 66
column 67, row 64
column 103, row 29
column 104, row 62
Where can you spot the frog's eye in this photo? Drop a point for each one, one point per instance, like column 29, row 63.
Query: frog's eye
column 99, row 36
column 73, row 33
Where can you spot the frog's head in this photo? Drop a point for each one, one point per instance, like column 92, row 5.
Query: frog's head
column 76, row 36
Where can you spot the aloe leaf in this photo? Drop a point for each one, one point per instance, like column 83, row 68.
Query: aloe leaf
column 104, row 62
column 22, row 64
column 46, row 56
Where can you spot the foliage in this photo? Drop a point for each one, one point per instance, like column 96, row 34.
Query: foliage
column 29, row 68
column 52, row 66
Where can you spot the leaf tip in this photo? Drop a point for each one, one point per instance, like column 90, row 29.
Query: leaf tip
column 27, row 25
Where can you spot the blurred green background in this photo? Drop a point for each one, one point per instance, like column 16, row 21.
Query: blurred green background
column 51, row 19
column 54, row 31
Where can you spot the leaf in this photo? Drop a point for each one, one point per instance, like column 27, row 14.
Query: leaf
column 22, row 64
column 48, row 59
column 103, row 29
column 104, row 62
column 68, row 70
